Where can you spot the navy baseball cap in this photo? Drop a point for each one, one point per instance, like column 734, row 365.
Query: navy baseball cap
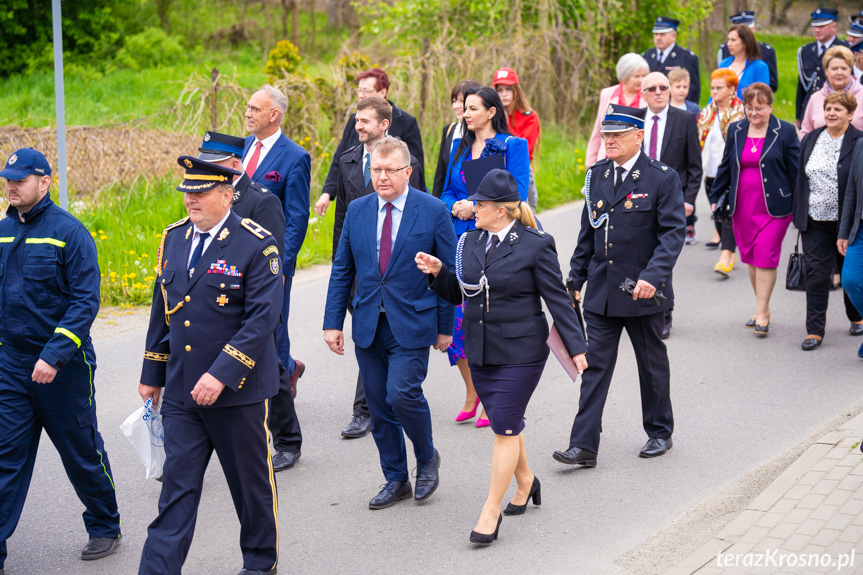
column 497, row 186
column 217, row 147
column 665, row 24
column 24, row 162
column 202, row 176
column 823, row 16
column 622, row 118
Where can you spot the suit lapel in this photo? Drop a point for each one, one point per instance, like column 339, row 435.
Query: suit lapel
column 848, row 145
column 409, row 216
column 355, row 175
column 772, row 136
column 369, row 233
column 628, row 184
column 270, row 158
column 505, row 246
column 214, row 251
column 478, row 248
column 666, row 135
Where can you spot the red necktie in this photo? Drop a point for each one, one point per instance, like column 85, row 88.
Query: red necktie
column 654, row 137
column 386, row 239
column 253, row 163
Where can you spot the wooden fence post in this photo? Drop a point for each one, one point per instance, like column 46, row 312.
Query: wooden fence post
column 214, row 119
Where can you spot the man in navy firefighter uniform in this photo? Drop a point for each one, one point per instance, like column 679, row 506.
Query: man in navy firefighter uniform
column 49, row 297
column 810, row 70
column 210, row 345
column 633, row 227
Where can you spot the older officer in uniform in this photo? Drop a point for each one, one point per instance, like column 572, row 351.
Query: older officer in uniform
column 768, row 54
column 632, row 228
column 666, row 55
column 254, row 201
column 49, row 296
column 810, row 70
column 210, row 345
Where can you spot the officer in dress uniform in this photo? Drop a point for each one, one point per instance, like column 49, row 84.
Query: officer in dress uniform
column 857, row 50
column 49, row 297
column 211, row 355
column 857, row 18
column 666, row 55
column 254, row 201
column 810, row 71
column 632, row 228
column 768, row 54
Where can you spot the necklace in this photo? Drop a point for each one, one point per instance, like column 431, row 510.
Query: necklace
column 754, row 148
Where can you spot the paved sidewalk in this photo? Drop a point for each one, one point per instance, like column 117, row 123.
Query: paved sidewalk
column 810, row 520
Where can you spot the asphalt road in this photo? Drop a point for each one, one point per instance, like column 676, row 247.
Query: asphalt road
column 738, row 402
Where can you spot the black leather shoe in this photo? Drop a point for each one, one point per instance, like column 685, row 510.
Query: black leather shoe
column 666, row 331
column 298, row 373
column 98, row 547
column 391, row 493
column 751, row 322
column 856, row 329
column 358, row 427
column 576, row 456
column 285, row 460
column 486, row 538
column 761, row 330
column 655, row 447
column 253, row 572
column 810, row 343
column 535, row 494
column 428, row 478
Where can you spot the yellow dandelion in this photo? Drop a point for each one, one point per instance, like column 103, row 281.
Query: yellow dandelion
column 103, row 237
column 144, row 256
column 132, row 275
column 94, row 234
column 131, row 252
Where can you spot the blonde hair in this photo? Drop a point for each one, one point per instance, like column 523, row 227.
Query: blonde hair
column 838, row 53
column 518, row 211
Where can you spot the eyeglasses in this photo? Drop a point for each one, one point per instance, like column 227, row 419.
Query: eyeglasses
column 749, row 110
column 616, row 135
column 365, row 91
column 255, row 109
column 656, row 88
column 390, row 171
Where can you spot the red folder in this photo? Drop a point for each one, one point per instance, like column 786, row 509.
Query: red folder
column 558, row 349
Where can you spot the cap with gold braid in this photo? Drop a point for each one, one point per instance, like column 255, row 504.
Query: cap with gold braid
column 202, row 176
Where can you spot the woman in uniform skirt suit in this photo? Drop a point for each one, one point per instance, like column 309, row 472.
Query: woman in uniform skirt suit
column 502, row 269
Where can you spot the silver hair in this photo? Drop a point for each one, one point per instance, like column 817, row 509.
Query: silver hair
column 628, row 65
column 389, row 145
column 280, row 101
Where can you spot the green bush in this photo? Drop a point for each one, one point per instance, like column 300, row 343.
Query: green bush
column 284, row 59
column 148, row 49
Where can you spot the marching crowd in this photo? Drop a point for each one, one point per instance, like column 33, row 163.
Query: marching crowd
column 463, row 268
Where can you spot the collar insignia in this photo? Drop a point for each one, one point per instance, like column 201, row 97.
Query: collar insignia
column 188, row 232
column 605, row 175
column 223, row 234
column 635, row 175
column 674, row 54
column 513, row 236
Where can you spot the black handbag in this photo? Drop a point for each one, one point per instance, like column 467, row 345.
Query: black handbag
column 795, row 277
column 720, row 214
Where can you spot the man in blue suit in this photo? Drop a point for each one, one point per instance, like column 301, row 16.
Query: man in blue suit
column 396, row 318
column 284, row 168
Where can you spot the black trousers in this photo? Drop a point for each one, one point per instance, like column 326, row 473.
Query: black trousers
column 820, row 257
column 651, row 355
column 284, row 424
column 724, row 229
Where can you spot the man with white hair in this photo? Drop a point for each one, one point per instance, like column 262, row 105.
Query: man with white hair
column 284, row 168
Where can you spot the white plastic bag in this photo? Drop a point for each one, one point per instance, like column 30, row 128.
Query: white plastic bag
column 144, row 431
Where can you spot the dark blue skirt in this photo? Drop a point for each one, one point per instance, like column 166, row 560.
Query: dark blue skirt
column 504, row 391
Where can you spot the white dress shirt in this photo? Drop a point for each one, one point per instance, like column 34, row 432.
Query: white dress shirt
column 396, row 212
column 197, row 237
column 648, row 130
column 500, row 235
column 268, row 144
column 662, row 55
column 627, row 167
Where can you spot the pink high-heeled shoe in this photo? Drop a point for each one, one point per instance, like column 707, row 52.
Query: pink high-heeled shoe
column 482, row 422
column 465, row 415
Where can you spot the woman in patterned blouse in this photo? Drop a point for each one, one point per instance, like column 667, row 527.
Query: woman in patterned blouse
column 825, row 162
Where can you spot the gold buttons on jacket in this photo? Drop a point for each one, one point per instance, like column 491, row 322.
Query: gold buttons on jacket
column 188, row 298
column 188, row 348
column 222, row 286
column 187, row 323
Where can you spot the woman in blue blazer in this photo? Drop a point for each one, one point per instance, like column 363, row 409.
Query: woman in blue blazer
column 504, row 270
column 486, row 133
column 758, row 174
column 745, row 59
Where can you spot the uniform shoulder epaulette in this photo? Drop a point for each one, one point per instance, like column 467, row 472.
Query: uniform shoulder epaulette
column 533, row 230
column 599, row 162
column 255, row 228
column 258, row 188
column 658, row 165
column 691, row 52
column 177, row 224
column 767, row 46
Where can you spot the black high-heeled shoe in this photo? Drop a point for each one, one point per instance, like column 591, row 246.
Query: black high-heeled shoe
column 486, row 538
column 535, row 493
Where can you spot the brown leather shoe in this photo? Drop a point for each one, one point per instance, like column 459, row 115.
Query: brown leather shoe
column 298, row 373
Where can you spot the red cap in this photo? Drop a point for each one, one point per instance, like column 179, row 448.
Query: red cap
column 505, row 76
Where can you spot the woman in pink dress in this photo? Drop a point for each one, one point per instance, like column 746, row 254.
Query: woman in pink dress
column 631, row 70
column 759, row 172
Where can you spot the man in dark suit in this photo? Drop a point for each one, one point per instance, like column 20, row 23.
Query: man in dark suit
column 671, row 136
column 210, row 347
column 396, row 318
column 768, row 54
column 254, row 201
column 273, row 160
column 372, row 82
column 666, row 55
column 355, row 181
column 632, row 228
column 810, row 71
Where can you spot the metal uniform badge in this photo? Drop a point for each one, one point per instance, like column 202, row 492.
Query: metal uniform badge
column 605, row 175
column 628, row 204
column 222, row 300
column 635, row 175
column 207, row 137
column 513, row 236
column 223, row 234
column 188, row 232
column 188, row 163
column 274, row 266
column 599, row 204
column 610, row 110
